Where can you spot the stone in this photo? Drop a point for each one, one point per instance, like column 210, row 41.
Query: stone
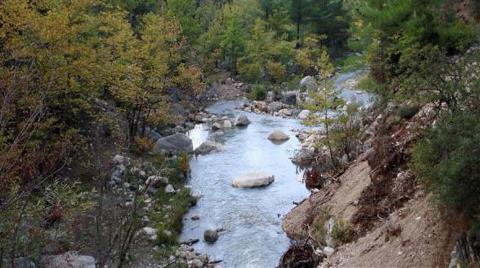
column 152, row 134
column 21, row 262
column 261, row 106
column 227, row 124
column 195, row 263
column 216, row 126
column 208, row 147
column 303, row 115
column 195, row 217
column 210, row 236
column 270, row 96
column 156, row 181
column 285, row 112
column 119, row 159
column 278, row 136
column 328, row 251
column 175, row 143
column 197, row 194
column 308, row 83
column 290, row 97
column 150, row 232
column 69, row 259
column 242, row 121
column 253, row 180
column 169, row 189
column 304, row 157
column 275, row 106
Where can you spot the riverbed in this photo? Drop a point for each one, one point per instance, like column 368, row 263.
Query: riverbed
column 253, row 236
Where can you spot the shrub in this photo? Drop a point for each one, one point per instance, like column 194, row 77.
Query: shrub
column 446, row 160
column 342, row 231
column 276, row 71
column 258, row 92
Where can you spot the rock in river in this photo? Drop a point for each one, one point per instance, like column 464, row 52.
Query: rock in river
column 211, row 236
column 278, row 136
column 208, row 147
column 242, row 121
column 174, row 144
column 253, row 180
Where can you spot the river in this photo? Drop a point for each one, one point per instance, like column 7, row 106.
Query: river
column 252, row 218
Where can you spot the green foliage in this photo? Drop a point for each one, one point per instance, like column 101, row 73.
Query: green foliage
column 396, row 33
column 258, row 92
column 447, row 162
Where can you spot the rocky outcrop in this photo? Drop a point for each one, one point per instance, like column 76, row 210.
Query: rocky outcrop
column 253, row 180
column 175, row 143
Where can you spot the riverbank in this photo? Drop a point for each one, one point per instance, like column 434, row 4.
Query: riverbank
column 375, row 214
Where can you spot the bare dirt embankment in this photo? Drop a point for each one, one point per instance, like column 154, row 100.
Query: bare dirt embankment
column 393, row 222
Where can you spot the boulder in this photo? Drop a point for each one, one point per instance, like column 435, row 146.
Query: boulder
column 21, row 262
column 308, row 83
column 70, row 259
column 210, row 236
column 195, row 263
column 290, row 97
column 150, row 233
column 261, row 106
column 227, row 124
column 156, row 181
column 253, row 180
column 270, row 96
column 174, row 144
column 169, row 189
column 278, row 136
column 275, row 107
column 152, row 134
column 303, row 115
column 242, row 121
column 285, row 112
column 216, row 126
column 208, row 147
column 119, row 160
column 304, row 157
column 328, row 251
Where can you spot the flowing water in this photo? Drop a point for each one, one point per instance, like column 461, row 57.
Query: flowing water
column 252, row 218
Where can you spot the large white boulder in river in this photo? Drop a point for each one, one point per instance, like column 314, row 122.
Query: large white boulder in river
column 253, row 180
column 242, row 121
column 278, row 136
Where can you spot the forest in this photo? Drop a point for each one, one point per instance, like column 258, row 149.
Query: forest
column 82, row 80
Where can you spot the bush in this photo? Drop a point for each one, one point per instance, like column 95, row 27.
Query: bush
column 408, row 111
column 342, row 231
column 258, row 93
column 446, row 160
